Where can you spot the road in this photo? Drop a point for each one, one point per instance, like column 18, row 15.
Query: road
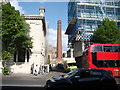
column 26, row 81
column 29, row 82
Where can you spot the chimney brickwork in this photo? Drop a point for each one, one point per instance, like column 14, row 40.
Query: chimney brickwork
column 59, row 59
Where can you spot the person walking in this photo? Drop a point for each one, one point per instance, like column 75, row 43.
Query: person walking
column 50, row 67
column 36, row 70
column 32, row 68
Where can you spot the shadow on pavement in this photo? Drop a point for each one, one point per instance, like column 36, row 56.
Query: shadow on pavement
column 29, row 88
column 22, row 88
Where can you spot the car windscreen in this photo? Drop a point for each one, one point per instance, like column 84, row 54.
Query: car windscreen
column 70, row 74
column 71, row 64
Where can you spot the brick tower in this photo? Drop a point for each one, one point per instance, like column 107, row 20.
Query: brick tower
column 59, row 59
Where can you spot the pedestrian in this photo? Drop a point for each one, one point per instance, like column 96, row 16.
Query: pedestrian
column 32, row 68
column 50, row 67
column 41, row 69
column 36, row 70
column 45, row 68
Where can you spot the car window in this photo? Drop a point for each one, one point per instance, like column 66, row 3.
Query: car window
column 95, row 73
column 85, row 74
column 89, row 74
column 70, row 74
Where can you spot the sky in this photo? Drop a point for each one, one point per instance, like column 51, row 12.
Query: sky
column 54, row 11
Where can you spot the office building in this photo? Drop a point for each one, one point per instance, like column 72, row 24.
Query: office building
column 84, row 16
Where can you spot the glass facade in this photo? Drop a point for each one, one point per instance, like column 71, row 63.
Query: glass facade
column 90, row 13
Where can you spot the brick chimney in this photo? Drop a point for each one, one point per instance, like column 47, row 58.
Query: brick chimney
column 59, row 59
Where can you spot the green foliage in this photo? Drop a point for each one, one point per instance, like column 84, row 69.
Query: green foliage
column 117, row 42
column 14, row 33
column 6, row 56
column 6, row 71
column 108, row 32
column 14, row 29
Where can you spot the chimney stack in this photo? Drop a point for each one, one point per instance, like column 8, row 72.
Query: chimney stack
column 59, row 43
column 42, row 11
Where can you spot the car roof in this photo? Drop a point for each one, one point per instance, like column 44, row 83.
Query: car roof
column 91, row 69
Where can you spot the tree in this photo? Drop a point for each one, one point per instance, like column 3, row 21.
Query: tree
column 15, row 31
column 108, row 32
column 6, row 56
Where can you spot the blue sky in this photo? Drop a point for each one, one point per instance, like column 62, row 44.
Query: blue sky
column 54, row 11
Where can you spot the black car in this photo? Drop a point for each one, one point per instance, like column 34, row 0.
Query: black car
column 83, row 79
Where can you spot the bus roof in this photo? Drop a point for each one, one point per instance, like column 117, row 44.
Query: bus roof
column 106, row 44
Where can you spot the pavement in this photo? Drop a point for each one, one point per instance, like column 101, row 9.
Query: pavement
column 26, row 76
column 20, row 79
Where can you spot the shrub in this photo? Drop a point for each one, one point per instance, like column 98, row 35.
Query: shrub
column 6, row 71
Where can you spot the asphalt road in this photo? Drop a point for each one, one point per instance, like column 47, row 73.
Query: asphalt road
column 30, row 82
column 22, row 88
column 26, row 81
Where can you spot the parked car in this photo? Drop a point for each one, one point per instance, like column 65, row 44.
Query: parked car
column 83, row 79
column 60, row 66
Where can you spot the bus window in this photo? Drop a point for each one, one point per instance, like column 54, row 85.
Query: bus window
column 100, row 64
column 116, row 49
column 108, row 49
column 97, row 48
column 108, row 63
column 118, row 63
column 119, row 48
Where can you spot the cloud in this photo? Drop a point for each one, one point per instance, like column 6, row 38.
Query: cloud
column 41, row 1
column 52, row 38
column 16, row 5
column 64, row 41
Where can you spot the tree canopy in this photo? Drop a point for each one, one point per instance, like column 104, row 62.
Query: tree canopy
column 108, row 32
column 15, row 31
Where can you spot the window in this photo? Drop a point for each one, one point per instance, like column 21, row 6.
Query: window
column 85, row 74
column 108, row 49
column 116, row 49
column 108, row 63
column 96, row 73
column 71, row 64
column 101, row 48
column 100, row 63
column 89, row 74
column 97, row 48
column 118, row 63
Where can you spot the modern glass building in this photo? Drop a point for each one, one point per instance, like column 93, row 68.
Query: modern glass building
column 84, row 16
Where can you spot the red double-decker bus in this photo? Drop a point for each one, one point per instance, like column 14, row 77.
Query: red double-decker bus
column 103, row 56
